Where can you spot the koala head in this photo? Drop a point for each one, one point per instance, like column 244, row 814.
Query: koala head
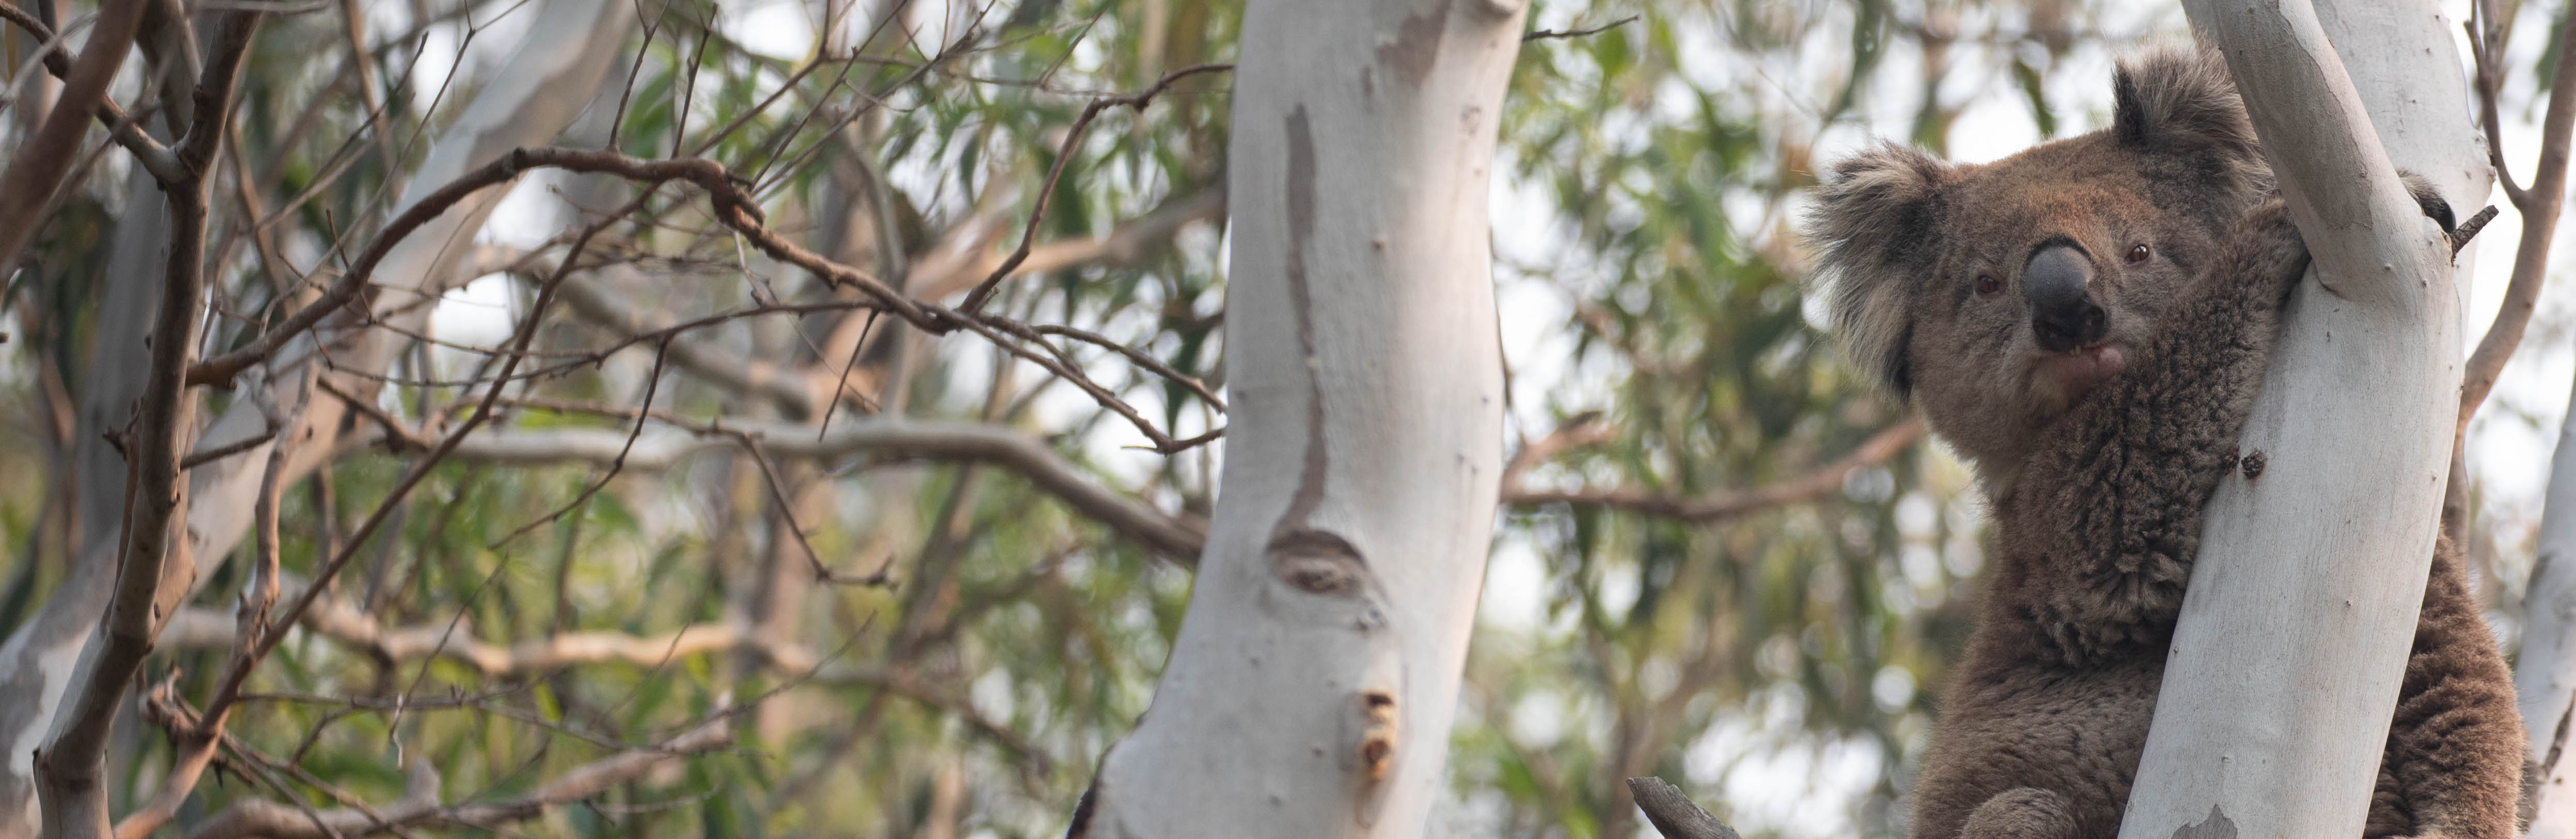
column 1996, row 295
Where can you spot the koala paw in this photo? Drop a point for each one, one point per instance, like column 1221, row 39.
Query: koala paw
column 2267, row 248
column 2020, row 813
column 2430, row 199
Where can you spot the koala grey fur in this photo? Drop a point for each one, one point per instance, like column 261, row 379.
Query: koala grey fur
column 2088, row 321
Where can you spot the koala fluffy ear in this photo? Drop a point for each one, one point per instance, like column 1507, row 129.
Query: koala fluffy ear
column 2176, row 98
column 1875, row 226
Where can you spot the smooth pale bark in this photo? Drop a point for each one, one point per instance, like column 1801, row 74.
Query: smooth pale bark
column 1310, row 691
column 2544, row 676
column 530, row 99
column 2294, row 636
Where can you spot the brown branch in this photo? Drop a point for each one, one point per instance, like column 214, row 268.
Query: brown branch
column 2486, row 47
column 37, row 167
column 269, row 635
column 1584, row 429
column 420, row 805
column 155, row 158
column 2540, row 207
column 71, row 766
column 590, row 297
column 345, row 623
column 206, row 456
column 1544, row 34
column 1137, row 357
column 1174, row 537
column 1673, row 813
column 1028, row 237
column 196, row 744
column 786, row 513
column 1722, row 505
column 732, row 206
column 936, row 274
column 2468, row 230
column 402, row 436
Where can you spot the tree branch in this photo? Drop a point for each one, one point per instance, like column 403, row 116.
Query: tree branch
column 2539, row 207
column 156, row 159
column 801, row 392
column 71, row 766
column 195, row 745
column 732, row 206
column 1028, row 237
column 588, row 295
column 1707, row 508
column 343, row 622
column 420, row 805
column 1674, row 813
column 36, row 168
column 1544, row 34
column 1174, row 537
column 2486, row 47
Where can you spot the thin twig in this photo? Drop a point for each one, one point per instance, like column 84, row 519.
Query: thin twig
column 1877, row 449
column 1544, row 34
column 420, row 804
column 1072, row 139
column 2540, row 208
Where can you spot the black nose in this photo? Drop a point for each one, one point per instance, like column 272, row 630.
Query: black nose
column 2062, row 313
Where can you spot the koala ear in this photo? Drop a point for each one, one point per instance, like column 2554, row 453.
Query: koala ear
column 2182, row 99
column 1875, row 226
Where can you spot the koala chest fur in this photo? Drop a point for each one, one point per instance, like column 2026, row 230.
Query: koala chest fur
column 2088, row 322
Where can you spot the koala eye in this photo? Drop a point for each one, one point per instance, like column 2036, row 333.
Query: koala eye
column 2137, row 254
column 1987, row 284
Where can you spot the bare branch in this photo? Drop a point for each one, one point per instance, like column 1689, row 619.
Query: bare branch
column 935, row 273
column 1580, row 430
column 1028, row 237
column 196, row 744
column 588, row 294
column 2486, row 47
column 1176, row 538
column 1728, row 504
column 155, row 158
column 1544, row 34
column 732, row 206
column 71, row 766
column 344, row 622
column 2540, row 207
column 1673, row 813
column 36, row 168
column 420, row 805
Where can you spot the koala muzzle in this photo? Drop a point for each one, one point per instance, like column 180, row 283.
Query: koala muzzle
column 2062, row 313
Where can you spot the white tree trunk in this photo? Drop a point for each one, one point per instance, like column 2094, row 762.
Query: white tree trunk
column 2294, row 635
column 2544, row 676
column 530, row 99
column 1310, row 691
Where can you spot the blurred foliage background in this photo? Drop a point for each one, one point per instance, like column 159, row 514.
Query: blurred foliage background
column 1722, row 559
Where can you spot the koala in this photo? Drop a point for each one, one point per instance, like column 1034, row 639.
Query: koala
column 2087, row 322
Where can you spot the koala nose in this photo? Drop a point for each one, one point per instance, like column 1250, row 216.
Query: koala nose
column 2062, row 313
